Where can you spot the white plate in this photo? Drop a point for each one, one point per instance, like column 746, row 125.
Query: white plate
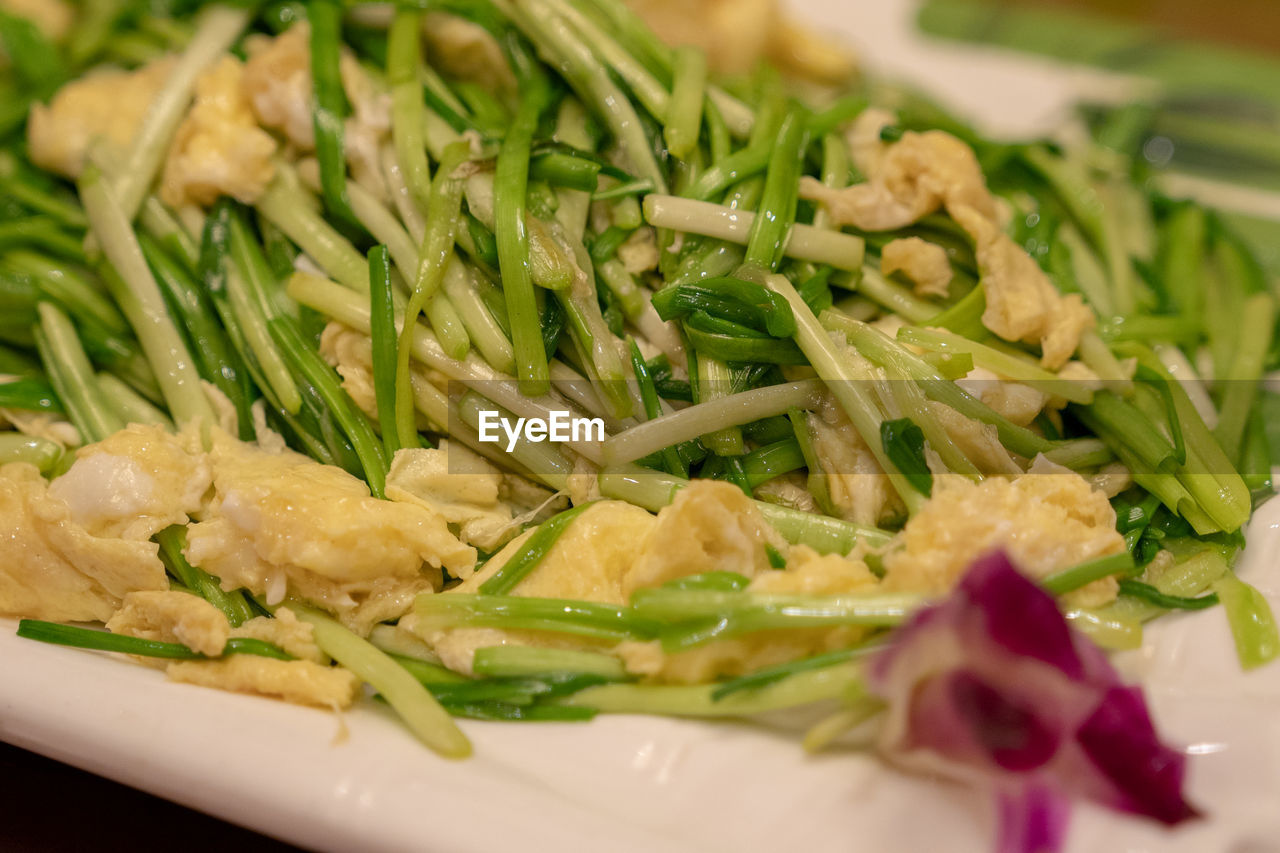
column 640, row 783
column 623, row 783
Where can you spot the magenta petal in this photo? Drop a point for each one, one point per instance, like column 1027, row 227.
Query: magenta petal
column 1033, row 820
column 1014, row 737
column 927, row 621
column 1019, row 615
column 1144, row 775
column 993, row 683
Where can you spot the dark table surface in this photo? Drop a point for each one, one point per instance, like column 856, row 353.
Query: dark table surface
column 49, row 807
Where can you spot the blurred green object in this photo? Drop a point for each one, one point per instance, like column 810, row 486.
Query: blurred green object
column 1187, row 67
column 1217, row 115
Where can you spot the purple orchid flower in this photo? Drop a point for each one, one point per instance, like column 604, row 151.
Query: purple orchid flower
column 992, row 685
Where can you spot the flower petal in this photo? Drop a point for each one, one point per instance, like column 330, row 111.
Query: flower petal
column 1144, row 776
column 1033, row 820
column 1020, row 616
column 992, row 684
column 1014, row 737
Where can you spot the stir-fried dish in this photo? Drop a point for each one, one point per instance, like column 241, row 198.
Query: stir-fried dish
column 512, row 361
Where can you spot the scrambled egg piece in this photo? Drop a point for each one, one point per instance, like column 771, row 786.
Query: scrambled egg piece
column 299, row 681
column 41, row 425
column 134, row 483
column 286, row 631
column 219, row 148
column 179, row 617
column 467, row 51
column 925, row 263
column 73, row 548
column 105, row 105
column 351, row 354
column 1111, row 479
column 710, row 526
column 172, row 617
column 281, row 523
column 589, row 562
column 277, row 82
column 52, row 568
column 615, row 548
column 583, row 484
column 862, row 136
column 860, row 491
column 1047, row 519
column 368, row 126
column 789, row 490
column 923, row 172
column 737, row 34
column 906, row 180
column 1022, row 304
column 811, row 573
column 976, row 440
column 639, row 252
column 459, row 486
column 592, row 558
column 52, row 17
column 1018, row 403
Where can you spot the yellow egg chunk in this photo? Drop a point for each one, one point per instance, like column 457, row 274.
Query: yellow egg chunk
column 172, row 617
column 73, row 548
column 44, row 425
column 1047, row 519
column 277, row 84
column 286, row 631
column 281, row 524
column 103, row 107
column 299, row 681
column 52, row 17
column 134, row 483
column 614, row 549
column 710, row 526
column 458, row 485
column 219, row 148
column 588, row 562
column 180, row 617
column 738, row 34
column 809, row 573
column 906, row 180
column 925, row 264
column 52, row 567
